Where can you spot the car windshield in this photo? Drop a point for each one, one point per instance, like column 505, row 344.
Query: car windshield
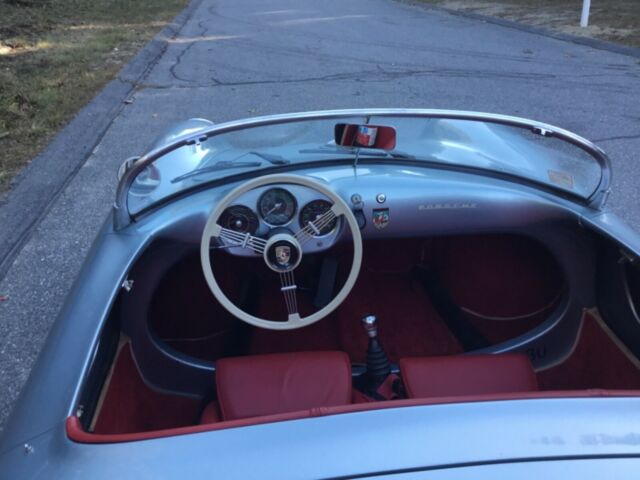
column 482, row 146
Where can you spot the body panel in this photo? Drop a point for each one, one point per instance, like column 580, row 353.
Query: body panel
column 353, row 444
column 525, row 469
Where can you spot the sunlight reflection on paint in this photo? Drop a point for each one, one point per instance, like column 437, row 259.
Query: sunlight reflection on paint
column 459, row 146
column 413, row 172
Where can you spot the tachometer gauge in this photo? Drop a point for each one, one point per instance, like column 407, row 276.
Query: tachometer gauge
column 239, row 219
column 277, row 206
column 315, row 209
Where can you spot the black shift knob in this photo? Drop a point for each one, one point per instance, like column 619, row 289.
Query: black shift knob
column 378, row 365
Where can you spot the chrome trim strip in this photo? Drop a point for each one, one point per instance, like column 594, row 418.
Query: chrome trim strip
column 122, row 218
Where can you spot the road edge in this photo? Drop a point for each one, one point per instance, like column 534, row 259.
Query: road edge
column 44, row 179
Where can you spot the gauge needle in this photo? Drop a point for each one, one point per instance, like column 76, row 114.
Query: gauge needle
column 275, row 207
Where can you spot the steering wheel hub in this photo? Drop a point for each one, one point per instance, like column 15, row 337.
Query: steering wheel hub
column 282, row 253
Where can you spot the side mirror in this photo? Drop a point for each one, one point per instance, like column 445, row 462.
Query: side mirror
column 365, row 136
column 125, row 167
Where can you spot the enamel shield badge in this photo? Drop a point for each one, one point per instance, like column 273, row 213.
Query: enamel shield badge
column 380, row 218
column 283, row 254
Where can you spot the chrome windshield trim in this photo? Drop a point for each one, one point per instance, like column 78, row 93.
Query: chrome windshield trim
column 596, row 200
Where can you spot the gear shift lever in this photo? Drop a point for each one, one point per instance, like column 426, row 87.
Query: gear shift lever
column 370, row 325
column 378, row 365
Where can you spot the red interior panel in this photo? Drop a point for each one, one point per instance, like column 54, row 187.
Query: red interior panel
column 131, row 406
column 505, row 285
column 596, row 362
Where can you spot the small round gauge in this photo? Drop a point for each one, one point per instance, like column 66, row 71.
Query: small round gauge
column 277, row 206
column 239, row 219
column 315, row 209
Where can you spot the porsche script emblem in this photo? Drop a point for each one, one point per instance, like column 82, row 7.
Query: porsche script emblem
column 283, row 255
column 380, row 218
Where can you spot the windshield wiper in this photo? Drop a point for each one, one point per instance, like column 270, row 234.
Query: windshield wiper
column 362, row 152
column 222, row 165
column 273, row 159
column 226, row 164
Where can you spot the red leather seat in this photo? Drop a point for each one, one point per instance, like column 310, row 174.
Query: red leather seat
column 268, row 384
column 457, row 375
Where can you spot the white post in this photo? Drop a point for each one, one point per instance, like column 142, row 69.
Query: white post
column 584, row 18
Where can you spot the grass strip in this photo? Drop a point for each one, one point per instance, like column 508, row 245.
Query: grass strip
column 55, row 55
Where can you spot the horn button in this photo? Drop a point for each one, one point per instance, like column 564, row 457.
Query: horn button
column 282, row 253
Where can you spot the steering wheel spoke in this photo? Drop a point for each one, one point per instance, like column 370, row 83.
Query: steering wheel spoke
column 238, row 239
column 314, row 227
column 289, row 290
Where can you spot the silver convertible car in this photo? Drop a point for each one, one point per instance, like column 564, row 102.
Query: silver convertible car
column 347, row 294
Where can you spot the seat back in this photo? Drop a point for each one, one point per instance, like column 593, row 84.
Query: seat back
column 269, row 384
column 455, row 375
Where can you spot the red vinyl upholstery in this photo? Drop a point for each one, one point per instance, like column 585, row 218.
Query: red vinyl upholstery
column 269, row 384
column 211, row 413
column 455, row 375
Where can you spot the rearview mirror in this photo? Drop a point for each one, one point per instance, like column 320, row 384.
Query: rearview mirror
column 365, row 136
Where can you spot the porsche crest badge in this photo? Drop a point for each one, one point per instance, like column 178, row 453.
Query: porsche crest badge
column 283, row 255
column 380, row 218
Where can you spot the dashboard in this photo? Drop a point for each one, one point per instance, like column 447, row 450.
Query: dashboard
column 273, row 209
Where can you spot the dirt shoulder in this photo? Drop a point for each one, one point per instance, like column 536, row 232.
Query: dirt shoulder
column 612, row 20
column 55, row 55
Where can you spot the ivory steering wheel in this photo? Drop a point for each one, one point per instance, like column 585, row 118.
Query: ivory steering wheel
column 282, row 252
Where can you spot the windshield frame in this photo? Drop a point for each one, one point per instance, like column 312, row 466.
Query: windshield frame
column 123, row 217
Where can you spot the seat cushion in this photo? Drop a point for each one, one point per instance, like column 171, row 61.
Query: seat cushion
column 425, row 377
column 268, row 384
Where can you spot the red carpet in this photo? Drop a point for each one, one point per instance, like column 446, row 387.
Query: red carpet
column 408, row 324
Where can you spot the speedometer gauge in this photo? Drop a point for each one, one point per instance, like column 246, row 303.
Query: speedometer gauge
column 239, row 219
column 277, row 206
column 315, row 209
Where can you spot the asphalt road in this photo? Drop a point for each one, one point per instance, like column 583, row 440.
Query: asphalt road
column 235, row 59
